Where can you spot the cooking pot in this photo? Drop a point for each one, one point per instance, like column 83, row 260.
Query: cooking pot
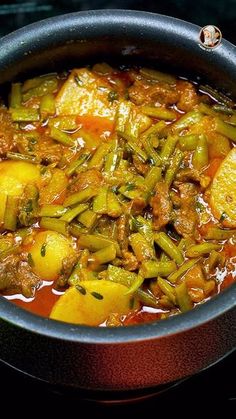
column 133, row 357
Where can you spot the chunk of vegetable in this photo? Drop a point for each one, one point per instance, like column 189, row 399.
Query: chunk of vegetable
column 91, row 302
column 56, row 248
column 14, row 175
column 223, row 191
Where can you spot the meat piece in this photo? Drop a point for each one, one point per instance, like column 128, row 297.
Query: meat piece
column 16, row 276
column 138, row 92
column 141, row 167
column 185, row 218
column 188, row 96
column 123, row 231
column 7, row 142
column 162, row 206
column 43, row 147
column 68, row 264
column 91, row 177
column 186, row 175
column 130, row 262
column 137, row 206
column 163, row 93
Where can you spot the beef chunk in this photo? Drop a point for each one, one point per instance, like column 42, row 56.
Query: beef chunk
column 185, row 218
column 91, row 177
column 161, row 205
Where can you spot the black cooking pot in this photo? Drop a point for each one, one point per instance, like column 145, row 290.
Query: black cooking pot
column 134, row 357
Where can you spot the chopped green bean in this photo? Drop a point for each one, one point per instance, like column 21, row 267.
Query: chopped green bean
column 114, row 209
column 135, row 286
column 152, row 154
column 111, row 162
column 80, row 197
column 23, row 157
column 225, row 129
column 47, row 105
column 16, row 95
column 104, row 255
column 188, row 142
column 100, row 201
column 122, row 115
column 88, row 218
column 98, row 158
column 152, row 268
column 147, row 298
column 215, row 233
column 168, row 148
column 200, row 156
column 54, row 224
column 160, row 113
column 61, row 137
column 183, row 300
column 190, row 118
column 77, row 163
column 94, row 242
column 24, row 114
column 133, row 146
column 141, row 247
column 144, row 227
column 167, row 245
column 201, row 249
column 152, row 177
column 52, row 211
column 74, row 212
column 167, row 289
column 173, row 167
column 11, row 212
column 182, row 270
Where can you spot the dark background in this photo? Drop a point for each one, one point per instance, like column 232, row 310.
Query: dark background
column 222, row 13
column 213, row 388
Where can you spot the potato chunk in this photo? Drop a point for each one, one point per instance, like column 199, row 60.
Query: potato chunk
column 85, row 93
column 15, row 175
column 223, row 191
column 48, row 251
column 91, row 302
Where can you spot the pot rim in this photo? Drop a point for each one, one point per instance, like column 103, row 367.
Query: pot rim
column 215, row 307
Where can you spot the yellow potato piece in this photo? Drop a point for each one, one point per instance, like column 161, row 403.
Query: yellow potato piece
column 79, row 305
column 223, row 191
column 85, row 93
column 54, row 191
column 48, row 251
column 15, row 175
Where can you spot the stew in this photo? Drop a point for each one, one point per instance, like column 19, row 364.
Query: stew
column 117, row 195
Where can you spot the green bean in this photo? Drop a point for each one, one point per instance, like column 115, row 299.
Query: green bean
column 141, row 247
column 88, row 218
column 188, row 142
column 135, row 286
column 80, row 197
column 174, row 167
column 77, row 229
column 185, row 243
column 16, row 95
column 167, row 289
column 43, row 86
column 147, row 298
column 114, row 208
column 99, row 156
column 122, row 115
column 29, row 205
column 52, row 211
column 218, row 96
column 157, row 75
column 3, row 202
column 61, row 137
column 215, row 259
column 23, row 157
column 11, row 212
column 206, row 109
column 104, row 255
column 54, row 224
column 168, row 148
column 111, row 162
column 10, row 251
column 75, row 276
column 144, row 227
column 152, row 177
column 121, row 276
column 152, row 268
column 225, row 129
column 64, row 123
column 74, row 212
column 164, row 257
column 77, row 163
column 200, row 156
column 223, row 109
column 183, row 300
column 22, row 233
column 215, row 233
column 160, row 113
column 201, row 249
column 190, row 118
column 100, row 201
column 24, row 114
column 152, row 154
column 182, row 270
column 153, row 130
column 132, row 145
column 167, row 245
column 94, row 242
column 130, row 191
column 47, row 105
